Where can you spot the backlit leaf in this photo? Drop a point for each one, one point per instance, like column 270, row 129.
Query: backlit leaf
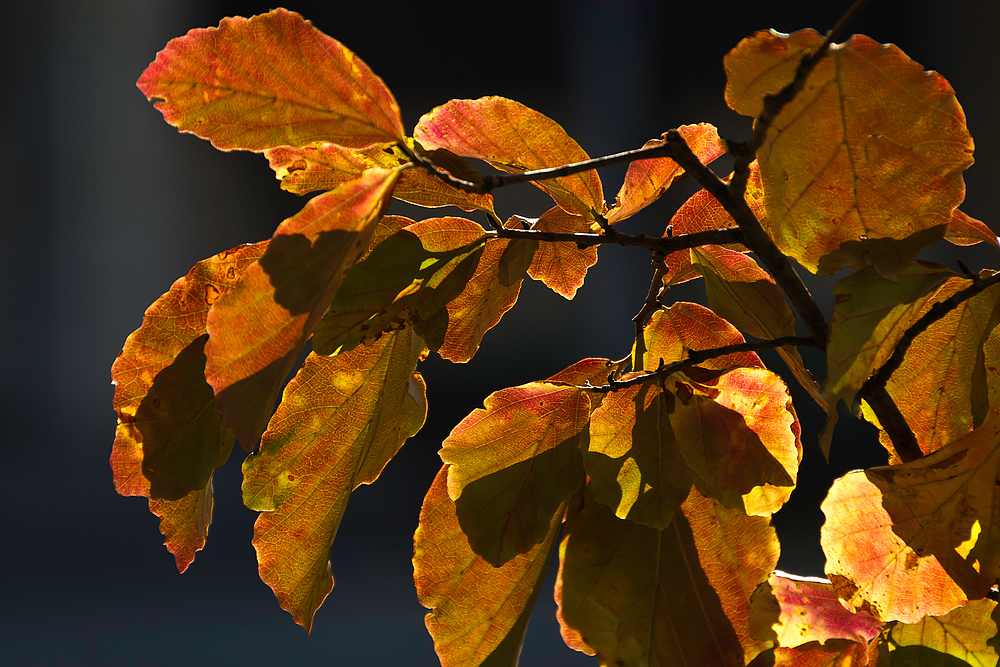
column 324, row 166
column 410, row 276
column 964, row 633
column 702, row 212
column 798, row 610
column 633, row 595
column 514, row 463
column 647, row 180
column 169, row 437
column 514, row 138
column 271, row 80
column 965, row 230
column 834, row 653
column 258, row 328
column 873, row 147
column 672, row 332
column 561, row 266
column 479, row 613
column 340, row 421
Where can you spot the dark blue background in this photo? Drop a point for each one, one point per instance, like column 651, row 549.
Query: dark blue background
column 103, row 205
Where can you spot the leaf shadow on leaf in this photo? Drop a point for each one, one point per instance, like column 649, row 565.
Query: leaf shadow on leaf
column 508, row 512
column 289, row 255
column 918, row 656
column 183, row 439
column 889, row 256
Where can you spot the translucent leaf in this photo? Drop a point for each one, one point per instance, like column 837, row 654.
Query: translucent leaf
column 479, row 613
column 169, row 437
column 647, row 180
column 340, row 421
column 561, row 266
column 410, row 276
column 514, row 138
column 965, row 230
column 514, row 463
column 672, row 332
column 965, row 633
column 793, row 611
column 633, row 595
column 874, row 147
column 834, row 653
column 271, row 80
column 324, row 166
column 258, row 328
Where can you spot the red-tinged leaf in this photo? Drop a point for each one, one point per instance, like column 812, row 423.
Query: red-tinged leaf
column 830, row 178
column 479, row 613
column 647, row 180
column 514, row 463
column 792, row 611
column 702, row 212
column 873, row 568
column 966, row 633
column 258, row 328
column 870, row 314
column 561, row 266
column 593, row 370
column 410, row 276
column 340, row 421
column 672, row 332
column 169, row 438
column 324, row 166
column 965, row 230
column 271, row 80
column 514, row 138
column 834, row 653
column 633, row 595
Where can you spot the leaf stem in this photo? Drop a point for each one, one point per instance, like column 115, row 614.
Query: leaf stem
column 651, row 303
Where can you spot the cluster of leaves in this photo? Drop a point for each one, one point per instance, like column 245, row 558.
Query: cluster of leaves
column 656, row 475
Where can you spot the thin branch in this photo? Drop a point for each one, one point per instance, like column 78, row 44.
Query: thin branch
column 651, row 303
column 696, row 357
column 666, row 245
column 904, row 441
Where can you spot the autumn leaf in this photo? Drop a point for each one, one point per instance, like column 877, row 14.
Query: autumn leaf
column 169, row 437
column 410, row 276
column 834, row 653
column 672, row 332
column 647, row 180
column 965, row 230
column 513, row 463
column 325, row 165
column 633, row 595
column 514, row 138
column 872, row 148
column 340, row 421
column 258, row 328
column 271, row 80
column 966, row 633
column 479, row 612
column 791, row 611
column 561, row 266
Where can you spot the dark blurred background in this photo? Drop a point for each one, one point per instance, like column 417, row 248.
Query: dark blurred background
column 103, row 205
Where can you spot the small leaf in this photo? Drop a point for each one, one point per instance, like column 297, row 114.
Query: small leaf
column 184, row 523
column 561, row 266
column 513, row 464
column 514, row 138
column 479, row 613
column 965, row 230
column 672, row 332
column 271, row 80
column 834, row 653
column 258, row 328
column 340, row 421
column 647, row 180
column 964, row 633
column 872, row 148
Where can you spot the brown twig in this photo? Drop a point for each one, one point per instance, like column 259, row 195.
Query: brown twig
column 651, row 303
column 665, row 245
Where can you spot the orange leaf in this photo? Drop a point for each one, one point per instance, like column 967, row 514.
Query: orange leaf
column 834, row 653
column 271, row 80
column 479, row 613
column 169, row 438
column 647, row 180
column 340, row 421
column 514, row 138
column 561, row 266
column 324, row 166
column 965, row 230
column 257, row 329
column 967, row 633
column 872, row 148
column 672, row 332
column 633, row 595
column 514, row 463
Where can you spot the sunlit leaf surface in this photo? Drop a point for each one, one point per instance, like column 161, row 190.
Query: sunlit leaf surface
column 561, row 266
column 672, row 332
column 258, row 328
column 874, row 147
column 965, row 230
column 169, row 437
column 479, row 613
column 340, row 421
column 271, row 80
column 966, row 633
column 514, row 138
